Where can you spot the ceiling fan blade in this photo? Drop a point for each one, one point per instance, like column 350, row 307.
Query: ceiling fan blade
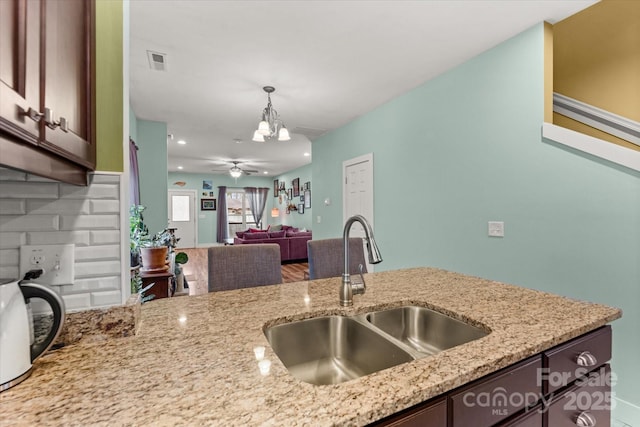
column 250, row 170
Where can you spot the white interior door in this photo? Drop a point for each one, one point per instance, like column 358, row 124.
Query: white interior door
column 357, row 193
column 182, row 216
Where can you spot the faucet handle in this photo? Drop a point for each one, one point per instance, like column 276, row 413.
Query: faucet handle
column 361, row 287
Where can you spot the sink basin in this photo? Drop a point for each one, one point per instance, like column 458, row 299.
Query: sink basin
column 424, row 330
column 333, row 349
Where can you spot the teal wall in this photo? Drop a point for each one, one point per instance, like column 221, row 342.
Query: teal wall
column 207, row 219
column 133, row 125
column 294, row 219
column 152, row 164
column 465, row 148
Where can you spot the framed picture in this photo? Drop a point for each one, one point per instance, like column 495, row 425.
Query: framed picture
column 290, row 194
column 307, row 185
column 276, row 188
column 296, row 187
column 207, row 185
column 207, row 204
column 307, row 199
column 281, row 185
column 301, row 208
column 301, row 198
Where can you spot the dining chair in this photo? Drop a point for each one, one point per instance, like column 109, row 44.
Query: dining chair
column 243, row 266
column 326, row 257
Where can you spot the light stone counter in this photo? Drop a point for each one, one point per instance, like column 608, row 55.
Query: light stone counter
column 192, row 361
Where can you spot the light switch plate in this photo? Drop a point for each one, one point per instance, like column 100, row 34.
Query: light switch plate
column 496, row 229
column 57, row 261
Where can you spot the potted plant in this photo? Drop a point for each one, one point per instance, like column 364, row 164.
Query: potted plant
column 154, row 251
column 138, row 233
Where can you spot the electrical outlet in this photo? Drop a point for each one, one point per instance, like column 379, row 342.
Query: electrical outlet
column 57, row 261
column 496, row 229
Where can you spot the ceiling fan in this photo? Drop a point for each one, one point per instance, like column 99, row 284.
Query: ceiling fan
column 236, row 171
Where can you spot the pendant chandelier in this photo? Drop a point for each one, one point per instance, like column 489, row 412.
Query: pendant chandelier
column 270, row 126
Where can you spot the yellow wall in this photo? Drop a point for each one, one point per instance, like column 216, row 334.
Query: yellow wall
column 109, row 84
column 596, row 58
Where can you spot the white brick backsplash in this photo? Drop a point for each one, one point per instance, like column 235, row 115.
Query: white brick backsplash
column 96, row 191
column 97, row 268
column 104, row 179
column 10, row 272
column 92, row 285
column 12, row 240
column 28, row 223
column 28, row 190
column 78, row 238
column 107, row 298
column 77, row 302
column 104, row 237
column 12, row 175
column 89, row 222
column 13, row 207
column 105, row 206
column 39, row 211
column 107, row 252
column 76, row 207
column 9, row 257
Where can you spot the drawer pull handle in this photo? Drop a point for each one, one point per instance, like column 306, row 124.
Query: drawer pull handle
column 585, row 419
column 586, row 359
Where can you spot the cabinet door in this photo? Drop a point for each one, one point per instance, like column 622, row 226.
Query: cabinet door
column 68, row 82
column 20, row 68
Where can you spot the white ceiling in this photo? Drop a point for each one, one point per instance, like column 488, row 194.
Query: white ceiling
column 330, row 62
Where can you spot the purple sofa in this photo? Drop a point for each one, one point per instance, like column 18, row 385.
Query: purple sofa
column 293, row 243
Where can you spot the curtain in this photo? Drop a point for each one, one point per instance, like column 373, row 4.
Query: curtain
column 222, row 227
column 257, row 202
column 134, row 181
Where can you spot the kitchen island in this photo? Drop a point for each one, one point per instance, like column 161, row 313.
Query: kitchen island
column 192, row 361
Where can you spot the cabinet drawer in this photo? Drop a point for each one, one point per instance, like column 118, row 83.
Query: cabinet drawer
column 432, row 414
column 589, row 399
column 565, row 363
column 496, row 397
column 531, row 418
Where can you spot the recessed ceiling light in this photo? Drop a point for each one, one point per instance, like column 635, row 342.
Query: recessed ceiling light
column 265, row 172
column 180, row 167
column 307, row 154
column 182, row 142
column 237, row 141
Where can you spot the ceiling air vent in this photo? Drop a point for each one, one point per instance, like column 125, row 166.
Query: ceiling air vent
column 157, row 61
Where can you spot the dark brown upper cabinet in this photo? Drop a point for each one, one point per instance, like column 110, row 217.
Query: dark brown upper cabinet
column 47, row 79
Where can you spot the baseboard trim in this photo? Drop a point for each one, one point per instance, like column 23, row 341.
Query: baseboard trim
column 594, row 146
column 626, row 412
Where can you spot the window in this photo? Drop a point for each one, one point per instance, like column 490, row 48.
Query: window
column 239, row 216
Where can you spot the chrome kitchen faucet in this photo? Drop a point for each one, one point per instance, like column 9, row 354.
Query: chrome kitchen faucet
column 348, row 289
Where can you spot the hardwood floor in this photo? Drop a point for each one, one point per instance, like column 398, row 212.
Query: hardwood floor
column 196, row 271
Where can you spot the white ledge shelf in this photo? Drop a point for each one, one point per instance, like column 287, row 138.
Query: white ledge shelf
column 596, row 147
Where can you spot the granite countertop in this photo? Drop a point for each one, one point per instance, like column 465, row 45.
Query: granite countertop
column 192, row 361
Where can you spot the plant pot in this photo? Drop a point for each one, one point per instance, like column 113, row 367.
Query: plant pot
column 154, row 259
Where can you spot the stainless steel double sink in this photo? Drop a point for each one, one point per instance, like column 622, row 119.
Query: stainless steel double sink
column 335, row 349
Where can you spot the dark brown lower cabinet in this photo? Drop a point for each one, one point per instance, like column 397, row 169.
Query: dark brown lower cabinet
column 564, row 386
column 429, row 414
column 587, row 403
column 530, row 418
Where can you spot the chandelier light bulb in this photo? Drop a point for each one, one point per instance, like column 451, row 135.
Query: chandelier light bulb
column 257, row 137
column 283, row 135
column 263, row 128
